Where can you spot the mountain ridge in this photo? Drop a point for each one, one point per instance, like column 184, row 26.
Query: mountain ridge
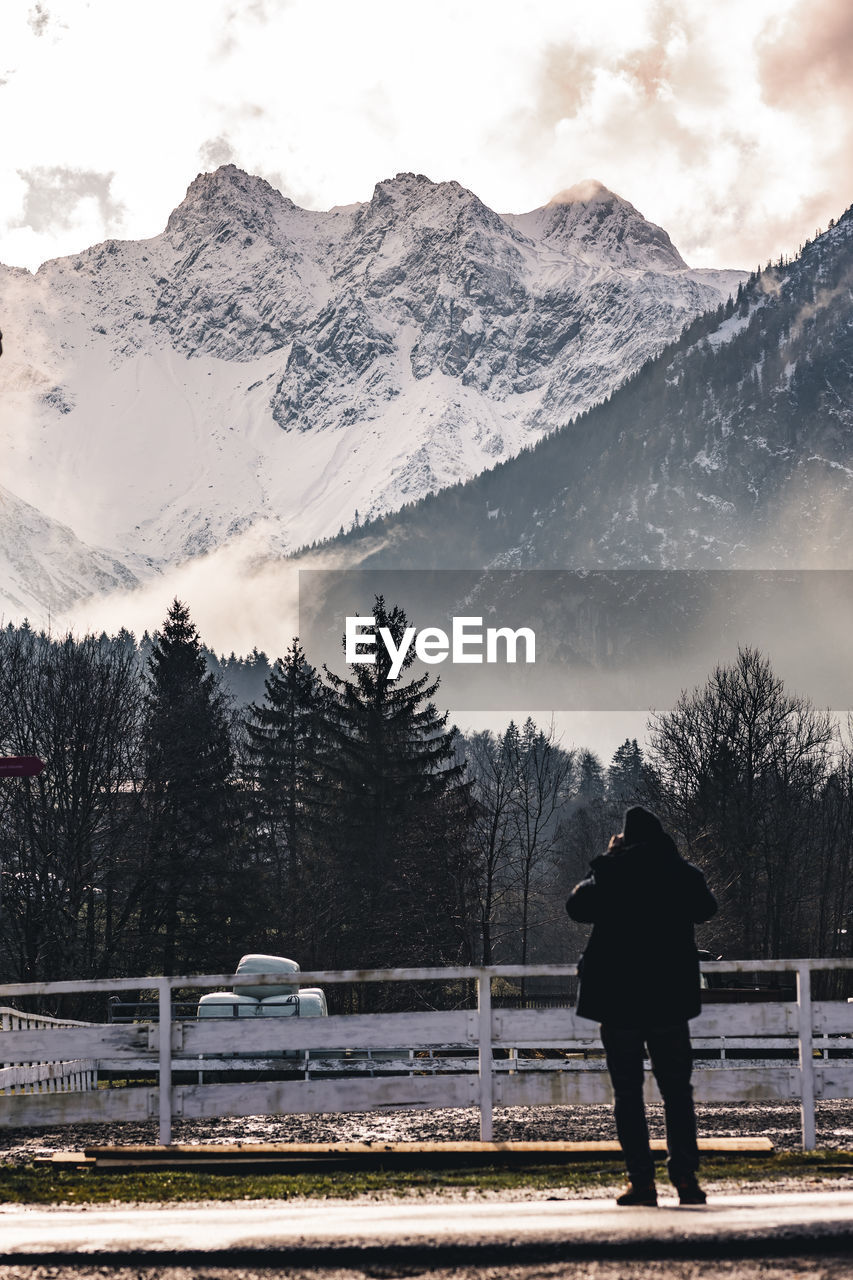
column 260, row 364
column 732, row 448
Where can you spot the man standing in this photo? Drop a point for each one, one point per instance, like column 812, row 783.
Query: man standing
column 639, row 977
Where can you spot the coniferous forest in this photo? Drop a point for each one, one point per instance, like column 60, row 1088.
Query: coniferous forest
column 342, row 820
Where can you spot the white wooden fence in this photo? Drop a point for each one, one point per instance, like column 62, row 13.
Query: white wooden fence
column 44, row 1077
column 467, row 1071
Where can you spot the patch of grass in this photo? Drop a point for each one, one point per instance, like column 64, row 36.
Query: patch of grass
column 44, row 1185
column 787, row 1164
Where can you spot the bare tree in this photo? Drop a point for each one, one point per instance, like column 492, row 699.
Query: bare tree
column 71, row 869
column 542, row 777
column 736, row 769
column 490, row 770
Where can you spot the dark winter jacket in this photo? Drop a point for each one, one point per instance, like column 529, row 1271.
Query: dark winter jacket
column 640, row 967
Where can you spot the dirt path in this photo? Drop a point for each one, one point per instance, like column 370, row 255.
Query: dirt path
column 780, row 1122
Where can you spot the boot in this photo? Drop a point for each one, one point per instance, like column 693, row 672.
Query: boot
column 639, row 1193
column 689, row 1191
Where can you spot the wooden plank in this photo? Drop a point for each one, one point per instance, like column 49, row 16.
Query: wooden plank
column 756, row 1043
column 552, row 1089
column 361, row 1066
column 338, row 976
column 833, row 1016
column 278, row 1063
column 248, row 1150
column 771, row 1019
column 751, row 1084
column 540, row 1028
column 833, row 1080
column 36, row 1072
column 100, row 1040
column 393, row 1064
column 26, row 1073
column 296, row 1097
column 98, row 1106
column 343, row 1031
column 319, row 977
column 33, row 1020
column 261, row 1157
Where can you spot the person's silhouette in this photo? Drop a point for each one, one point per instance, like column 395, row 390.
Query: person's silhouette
column 639, row 977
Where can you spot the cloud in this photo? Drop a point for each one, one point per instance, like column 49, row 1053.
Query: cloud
column 808, row 54
column 652, row 80
column 565, row 83
column 217, row 151
column 254, row 10
column 615, row 105
column 240, row 595
column 238, row 19
column 38, row 19
column 53, row 196
column 804, row 69
column 728, row 127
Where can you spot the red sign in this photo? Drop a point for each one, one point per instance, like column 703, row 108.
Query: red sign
column 20, row 766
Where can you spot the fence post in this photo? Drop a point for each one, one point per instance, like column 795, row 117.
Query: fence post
column 164, row 990
column 806, row 1059
column 484, row 1055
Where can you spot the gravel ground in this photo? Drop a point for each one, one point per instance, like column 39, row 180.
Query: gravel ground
column 779, row 1122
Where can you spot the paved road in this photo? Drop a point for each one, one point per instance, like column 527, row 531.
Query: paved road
column 305, row 1228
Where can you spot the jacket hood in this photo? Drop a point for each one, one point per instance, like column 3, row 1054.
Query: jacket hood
column 641, row 826
column 639, row 858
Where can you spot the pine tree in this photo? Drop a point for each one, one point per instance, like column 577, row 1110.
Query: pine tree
column 590, row 777
column 282, row 753
column 189, row 761
column 282, row 734
column 625, row 773
column 393, row 798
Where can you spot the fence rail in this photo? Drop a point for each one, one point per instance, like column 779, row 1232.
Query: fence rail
column 40, row 1076
column 358, row 1062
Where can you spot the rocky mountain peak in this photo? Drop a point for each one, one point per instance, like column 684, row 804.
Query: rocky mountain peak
column 228, row 196
column 413, row 200
column 415, row 188
column 595, row 223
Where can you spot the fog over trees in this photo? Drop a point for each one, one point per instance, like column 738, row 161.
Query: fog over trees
column 341, row 819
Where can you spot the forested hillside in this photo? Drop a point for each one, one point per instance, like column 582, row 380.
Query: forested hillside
column 732, row 448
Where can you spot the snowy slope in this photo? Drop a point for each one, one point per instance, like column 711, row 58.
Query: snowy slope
column 257, row 362
column 44, row 567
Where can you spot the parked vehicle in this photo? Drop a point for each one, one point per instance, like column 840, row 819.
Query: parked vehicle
column 276, row 1000
column 736, row 988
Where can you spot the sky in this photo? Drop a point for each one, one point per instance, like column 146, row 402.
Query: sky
column 730, row 124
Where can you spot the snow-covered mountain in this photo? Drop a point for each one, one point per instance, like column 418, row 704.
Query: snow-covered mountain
column 41, row 555
column 733, row 449
column 261, row 365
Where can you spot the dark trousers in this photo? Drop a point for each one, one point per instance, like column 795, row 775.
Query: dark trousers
column 672, row 1062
